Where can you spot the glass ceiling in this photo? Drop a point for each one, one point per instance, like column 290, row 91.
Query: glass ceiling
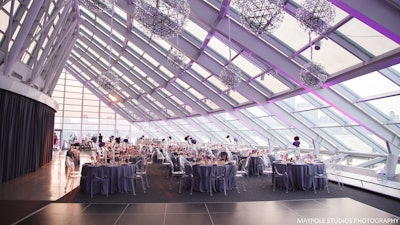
column 356, row 110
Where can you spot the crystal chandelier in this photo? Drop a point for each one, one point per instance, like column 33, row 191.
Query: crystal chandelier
column 231, row 76
column 313, row 75
column 176, row 58
column 316, row 15
column 98, row 5
column 108, row 80
column 261, row 16
column 163, row 18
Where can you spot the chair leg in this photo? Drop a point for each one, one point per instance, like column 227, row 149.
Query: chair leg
column 327, row 188
column 211, row 194
column 224, row 186
column 287, row 185
column 143, row 187
column 191, row 185
column 107, row 189
column 133, row 187
column 273, row 185
column 147, row 181
column 180, row 185
column 313, row 184
column 91, row 189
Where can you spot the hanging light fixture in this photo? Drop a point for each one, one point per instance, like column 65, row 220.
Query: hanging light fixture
column 98, row 5
column 230, row 75
column 316, row 16
column 261, row 16
column 176, row 57
column 108, row 80
column 163, row 18
column 313, row 74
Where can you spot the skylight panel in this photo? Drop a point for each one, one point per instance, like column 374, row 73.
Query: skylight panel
column 220, row 48
column 165, row 92
column 194, row 92
column 150, row 59
column 200, row 70
column 182, row 84
column 118, row 11
column 217, row 83
column 195, row 30
column 162, row 43
column 138, row 71
column 237, row 97
column 99, row 42
column 272, row 84
column 177, row 100
column 289, row 29
column 86, row 30
column 255, row 111
column 367, row 37
column 166, row 72
column 132, row 46
column 127, row 62
column 371, row 84
column 211, row 104
column 246, row 65
column 332, row 57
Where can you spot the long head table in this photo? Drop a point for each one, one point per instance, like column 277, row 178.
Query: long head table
column 300, row 175
column 115, row 173
column 202, row 175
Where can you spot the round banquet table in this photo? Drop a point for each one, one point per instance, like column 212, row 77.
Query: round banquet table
column 201, row 177
column 115, row 173
column 255, row 164
column 300, row 175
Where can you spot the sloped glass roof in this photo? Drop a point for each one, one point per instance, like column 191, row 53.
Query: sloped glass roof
column 356, row 110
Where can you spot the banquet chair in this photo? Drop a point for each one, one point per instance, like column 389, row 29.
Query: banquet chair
column 215, row 177
column 319, row 176
column 188, row 176
column 167, row 160
column 160, row 156
column 177, row 169
column 242, row 173
column 141, row 170
column 97, row 177
column 132, row 177
column 281, row 174
column 266, row 167
column 335, row 169
column 149, row 158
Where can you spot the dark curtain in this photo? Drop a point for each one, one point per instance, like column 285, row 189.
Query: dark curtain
column 26, row 135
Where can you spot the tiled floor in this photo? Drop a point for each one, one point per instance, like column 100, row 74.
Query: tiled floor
column 49, row 184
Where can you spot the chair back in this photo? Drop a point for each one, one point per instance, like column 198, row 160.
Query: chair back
column 280, row 170
column 242, row 165
column 176, row 163
column 140, row 165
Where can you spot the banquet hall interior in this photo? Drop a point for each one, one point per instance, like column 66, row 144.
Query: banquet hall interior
column 199, row 111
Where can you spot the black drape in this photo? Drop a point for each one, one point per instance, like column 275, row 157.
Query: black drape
column 26, row 135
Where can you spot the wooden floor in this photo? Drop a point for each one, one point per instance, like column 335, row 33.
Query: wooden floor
column 31, row 200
